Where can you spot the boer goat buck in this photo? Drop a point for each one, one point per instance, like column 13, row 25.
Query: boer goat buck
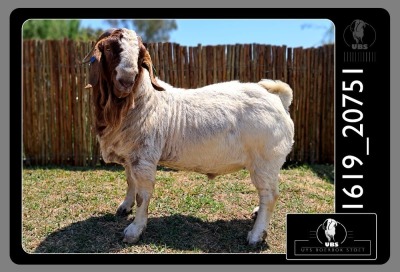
column 142, row 122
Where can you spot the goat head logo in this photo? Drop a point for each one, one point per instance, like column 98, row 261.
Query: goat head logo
column 331, row 233
column 359, row 35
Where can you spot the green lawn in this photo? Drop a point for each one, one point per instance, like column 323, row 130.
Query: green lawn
column 72, row 209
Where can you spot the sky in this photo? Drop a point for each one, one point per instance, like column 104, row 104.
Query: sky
column 292, row 33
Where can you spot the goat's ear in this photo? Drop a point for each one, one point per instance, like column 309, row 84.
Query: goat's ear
column 94, row 70
column 147, row 63
column 93, row 58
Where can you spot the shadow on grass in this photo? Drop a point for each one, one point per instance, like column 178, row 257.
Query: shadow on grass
column 175, row 233
column 323, row 171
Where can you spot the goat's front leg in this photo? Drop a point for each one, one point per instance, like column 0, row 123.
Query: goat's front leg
column 126, row 206
column 144, row 180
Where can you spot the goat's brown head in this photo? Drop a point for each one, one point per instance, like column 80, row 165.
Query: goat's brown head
column 117, row 62
column 118, row 57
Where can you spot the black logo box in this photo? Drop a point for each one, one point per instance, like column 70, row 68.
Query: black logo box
column 354, row 238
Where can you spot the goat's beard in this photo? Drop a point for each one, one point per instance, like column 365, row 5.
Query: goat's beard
column 120, row 94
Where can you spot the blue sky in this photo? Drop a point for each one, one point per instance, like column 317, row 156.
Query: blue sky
column 293, row 33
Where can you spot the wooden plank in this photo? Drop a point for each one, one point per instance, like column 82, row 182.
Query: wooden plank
column 195, row 67
column 166, row 63
column 82, row 115
column 209, row 55
column 331, row 102
column 52, row 103
column 27, row 114
column 237, row 62
column 161, row 61
column 171, row 66
column 284, row 63
column 70, row 99
column 213, row 60
column 56, row 72
column 75, row 114
column 296, row 106
column 268, row 65
column 247, row 63
column 185, row 67
column 233, row 62
column 33, row 100
column 261, row 63
column 176, row 64
column 307, row 102
column 277, row 62
column 254, row 63
column 315, row 114
column 289, row 81
column 220, row 65
column 228, row 62
column 64, row 83
column 47, row 88
column 204, row 66
column 303, row 104
column 200, row 65
column 223, row 58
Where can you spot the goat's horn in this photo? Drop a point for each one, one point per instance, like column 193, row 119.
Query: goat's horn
column 107, row 33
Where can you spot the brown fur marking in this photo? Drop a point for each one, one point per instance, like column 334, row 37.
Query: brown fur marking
column 139, row 200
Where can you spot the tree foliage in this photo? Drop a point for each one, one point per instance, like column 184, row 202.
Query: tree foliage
column 149, row 30
column 58, row 29
column 50, row 29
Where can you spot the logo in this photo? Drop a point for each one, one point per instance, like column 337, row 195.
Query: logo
column 331, row 233
column 335, row 236
column 359, row 35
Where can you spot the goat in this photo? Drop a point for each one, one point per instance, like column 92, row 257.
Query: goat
column 142, row 122
column 357, row 27
column 329, row 226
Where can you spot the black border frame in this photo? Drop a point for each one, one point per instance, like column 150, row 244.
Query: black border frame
column 378, row 199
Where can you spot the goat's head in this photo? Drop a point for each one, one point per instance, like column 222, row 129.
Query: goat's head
column 118, row 57
column 117, row 62
column 329, row 224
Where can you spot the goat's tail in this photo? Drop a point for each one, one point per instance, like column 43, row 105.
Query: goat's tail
column 279, row 88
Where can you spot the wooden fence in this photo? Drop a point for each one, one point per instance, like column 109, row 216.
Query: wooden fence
column 58, row 117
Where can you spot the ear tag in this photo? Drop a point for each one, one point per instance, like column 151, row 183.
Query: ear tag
column 92, row 59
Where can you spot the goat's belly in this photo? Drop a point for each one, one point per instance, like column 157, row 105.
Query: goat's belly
column 209, row 158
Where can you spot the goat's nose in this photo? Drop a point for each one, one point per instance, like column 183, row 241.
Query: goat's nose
column 126, row 83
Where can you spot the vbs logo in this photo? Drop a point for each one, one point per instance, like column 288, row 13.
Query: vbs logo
column 331, row 233
column 359, row 35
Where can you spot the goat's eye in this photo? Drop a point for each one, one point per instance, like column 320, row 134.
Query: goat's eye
column 108, row 48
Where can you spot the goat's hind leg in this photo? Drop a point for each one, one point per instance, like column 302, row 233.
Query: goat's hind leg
column 126, row 206
column 266, row 183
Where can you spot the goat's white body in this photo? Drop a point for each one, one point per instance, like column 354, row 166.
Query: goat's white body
column 216, row 129
column 213, row 130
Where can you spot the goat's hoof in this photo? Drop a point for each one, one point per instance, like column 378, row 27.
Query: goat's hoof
column 132, row 233
column 130, row 239
column 256, row 240
column 123, row 211
column 254, row 213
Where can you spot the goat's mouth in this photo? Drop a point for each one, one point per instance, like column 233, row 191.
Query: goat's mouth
column 123, row 86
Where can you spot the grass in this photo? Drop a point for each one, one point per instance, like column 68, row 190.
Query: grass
column 71, row 210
